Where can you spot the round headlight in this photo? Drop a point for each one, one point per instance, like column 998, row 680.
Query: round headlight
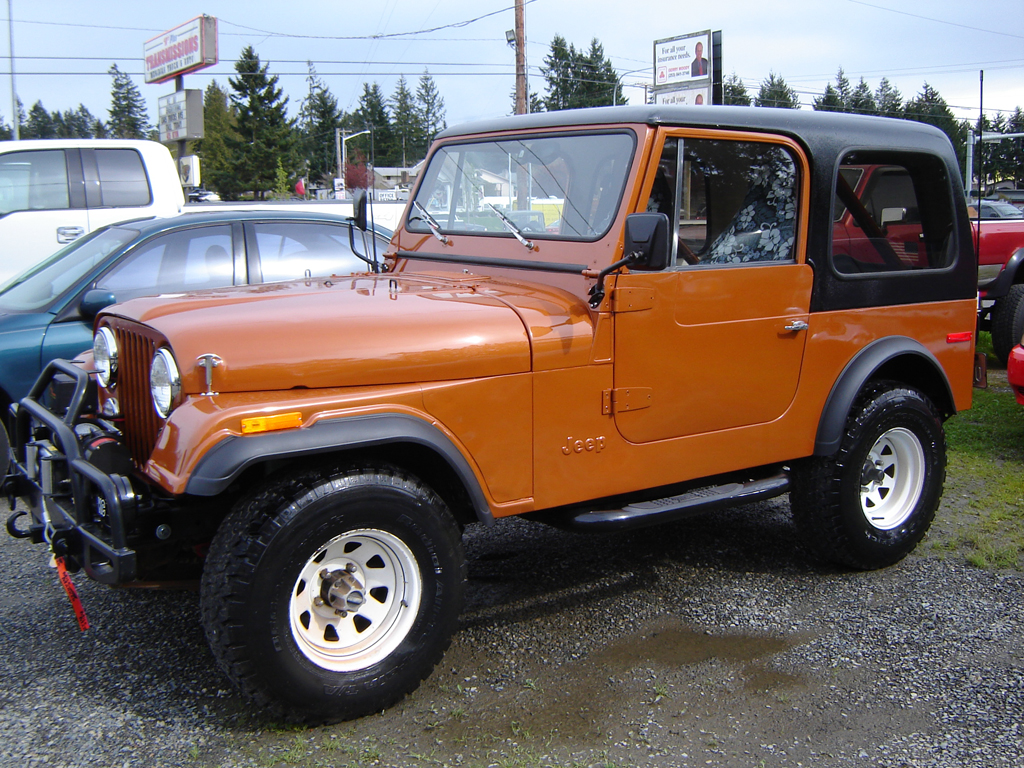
column 104, row 353
column 164, row 382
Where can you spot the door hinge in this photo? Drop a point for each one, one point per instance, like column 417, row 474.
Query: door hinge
column 625, row 399
column 632, row 299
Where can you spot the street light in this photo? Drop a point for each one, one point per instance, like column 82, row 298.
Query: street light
column 340, row 137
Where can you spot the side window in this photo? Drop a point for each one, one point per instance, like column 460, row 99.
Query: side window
column 295, row 249
column 733, row 202
column 897, row 217
column 33, row 181
column 189, row 260
column 123, row 182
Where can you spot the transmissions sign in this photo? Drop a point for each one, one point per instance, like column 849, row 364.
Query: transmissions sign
column 183, row 49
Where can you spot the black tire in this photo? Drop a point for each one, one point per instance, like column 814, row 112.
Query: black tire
column 395, row 580
column 5, row 452
column 1008, row 322
column 868, row 505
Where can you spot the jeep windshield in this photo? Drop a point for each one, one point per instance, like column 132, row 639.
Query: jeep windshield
column 565, row 187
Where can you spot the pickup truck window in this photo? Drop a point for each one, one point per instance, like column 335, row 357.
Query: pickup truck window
column 33, row 181
column 566, row 186
column 895, row 216
column 734, row 202
column 123, row 182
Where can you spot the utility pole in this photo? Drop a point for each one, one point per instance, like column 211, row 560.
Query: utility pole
column 14, row 94
column 521, row 95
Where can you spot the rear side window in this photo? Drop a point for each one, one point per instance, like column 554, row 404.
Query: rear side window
column 894, row 214
column 33, row 181
column 187, row 260
column 123, row 182
column 295, row 249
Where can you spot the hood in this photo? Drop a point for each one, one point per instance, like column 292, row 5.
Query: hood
column 338, row 332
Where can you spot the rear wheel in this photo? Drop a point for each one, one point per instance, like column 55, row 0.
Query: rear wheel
column 5, row 451
column 330, row 595
column 1008, row 322
column 870, row 504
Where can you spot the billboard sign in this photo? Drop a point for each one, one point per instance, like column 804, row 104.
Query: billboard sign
column 698, row 96
column 181, row 115
column 183, row 49
column 682, row 60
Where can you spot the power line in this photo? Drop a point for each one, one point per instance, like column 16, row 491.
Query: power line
column 937, row 21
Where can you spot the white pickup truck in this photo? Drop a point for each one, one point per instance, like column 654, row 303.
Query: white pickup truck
column 53, row 191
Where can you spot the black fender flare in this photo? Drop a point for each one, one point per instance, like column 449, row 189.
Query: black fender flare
column 223, row 463
column 999, row 286
column 855, row 375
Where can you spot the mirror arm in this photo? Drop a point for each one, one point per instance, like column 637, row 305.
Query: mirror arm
column 597, row 290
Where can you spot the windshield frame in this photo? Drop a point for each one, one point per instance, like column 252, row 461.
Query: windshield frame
column 455, row 152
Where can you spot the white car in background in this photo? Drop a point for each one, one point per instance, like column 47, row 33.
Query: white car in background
column 53, row 191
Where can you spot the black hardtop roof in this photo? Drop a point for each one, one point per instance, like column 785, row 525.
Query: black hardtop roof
column 821, row 132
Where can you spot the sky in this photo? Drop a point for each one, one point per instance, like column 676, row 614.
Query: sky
column 63, row 49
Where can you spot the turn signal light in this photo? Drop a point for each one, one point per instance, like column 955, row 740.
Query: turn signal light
column 270, row 423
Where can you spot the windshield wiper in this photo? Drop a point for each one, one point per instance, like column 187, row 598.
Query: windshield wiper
column 435, row 228
column 512, row 227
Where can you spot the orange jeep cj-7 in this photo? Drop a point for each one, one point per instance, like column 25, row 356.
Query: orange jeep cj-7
column 598, row 319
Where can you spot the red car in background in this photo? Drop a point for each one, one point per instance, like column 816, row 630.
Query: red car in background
column 1015, row 371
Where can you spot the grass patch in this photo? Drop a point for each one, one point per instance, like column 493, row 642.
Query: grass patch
column 985, row 480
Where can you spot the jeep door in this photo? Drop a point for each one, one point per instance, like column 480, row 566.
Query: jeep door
column 716, row 341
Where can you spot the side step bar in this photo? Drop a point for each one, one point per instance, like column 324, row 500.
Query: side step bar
column 693, row 502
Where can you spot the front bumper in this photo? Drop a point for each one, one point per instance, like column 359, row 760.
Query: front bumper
column 81, row 510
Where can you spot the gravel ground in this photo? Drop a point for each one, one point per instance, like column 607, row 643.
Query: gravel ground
column 714, row 641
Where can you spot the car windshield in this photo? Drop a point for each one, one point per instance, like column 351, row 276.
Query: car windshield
column 996, row 209
column 40, row 286
column 551, row 186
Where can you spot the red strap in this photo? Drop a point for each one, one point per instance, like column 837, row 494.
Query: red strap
column 69, row 587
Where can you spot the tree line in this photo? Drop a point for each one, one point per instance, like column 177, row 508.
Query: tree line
column 251, row 145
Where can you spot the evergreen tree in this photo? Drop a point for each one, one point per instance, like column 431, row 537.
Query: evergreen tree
column 734, row 92
column 128, row 117
column 888, row 100
column 929, row 107
column 576, row 79
column 599, row 83
column 6, row 132
column 862, row 101
column 40, row 124
column 409, row 133
column 216, row 159
column 319, row 118
column 430, row 106
column 263, row 134
column 77, row 124
column 776, row 93
column 558, row 73
column 372, row 114
column 829, row 101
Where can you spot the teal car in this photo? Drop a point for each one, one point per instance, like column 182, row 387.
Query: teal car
column 47, row 312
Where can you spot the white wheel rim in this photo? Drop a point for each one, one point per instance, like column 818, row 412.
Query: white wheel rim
column 892, row 479
column 373, row 590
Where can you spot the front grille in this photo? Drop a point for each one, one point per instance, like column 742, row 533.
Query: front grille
column 136, row 346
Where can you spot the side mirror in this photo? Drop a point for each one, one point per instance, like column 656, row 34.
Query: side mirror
column 94, row 301
column 893, row 216
column 359, row 210
column 647, row 237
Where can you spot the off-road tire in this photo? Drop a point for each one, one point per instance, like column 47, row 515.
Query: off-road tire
column 265, row 570
column 868, row 505
column 1008, row 322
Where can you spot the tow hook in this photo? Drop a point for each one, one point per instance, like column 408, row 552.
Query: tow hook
column 14, row 530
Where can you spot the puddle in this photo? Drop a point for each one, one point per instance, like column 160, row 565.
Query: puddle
column 678, row 646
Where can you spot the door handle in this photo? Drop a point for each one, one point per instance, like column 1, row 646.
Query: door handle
column 68, row 234
column 796, row 325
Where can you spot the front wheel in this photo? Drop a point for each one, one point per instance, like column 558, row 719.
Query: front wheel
column 329, row 595
column 1008, row 322
column 870, row 504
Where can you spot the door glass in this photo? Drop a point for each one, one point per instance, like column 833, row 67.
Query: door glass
column 33, row 181
column 733, row 202
column 295, row 249
column 181, row 261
